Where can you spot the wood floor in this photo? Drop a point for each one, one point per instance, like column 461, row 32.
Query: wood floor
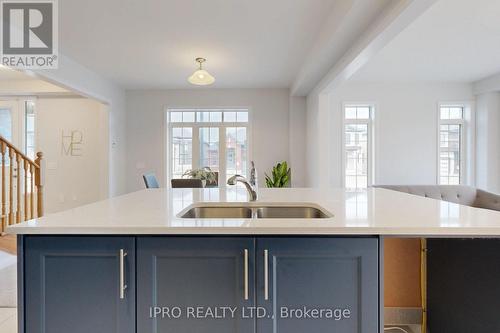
column 8, row 243
column 8, row 320
column 8, row 289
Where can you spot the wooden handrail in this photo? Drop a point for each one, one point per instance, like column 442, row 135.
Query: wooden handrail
column 18, row 152
column 23, row 180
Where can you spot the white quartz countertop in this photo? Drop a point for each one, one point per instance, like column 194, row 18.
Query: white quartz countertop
column 371, row 212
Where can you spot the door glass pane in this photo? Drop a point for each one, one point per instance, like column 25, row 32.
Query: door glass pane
column 203, row 117
column 450, row 151
column 229, row 117
column 182, row 150
column 357, row 112
column 215, row 117
column 363, row 112
column 188, row 117
column 209, row 116
column 236, row 151
column 356, row 156
column 452, row 112
column 242, row 117
column 209, row 148
column 6, row 123
column 456, row 113
column 445, row 113
column 350, row 113
column 176, row 117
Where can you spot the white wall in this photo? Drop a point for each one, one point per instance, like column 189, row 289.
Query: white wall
column 146, row 125
column 72, row 181
column 297, row 140
column 76, row 77
column 488, row 141
column 405, row 130
column 318, row 152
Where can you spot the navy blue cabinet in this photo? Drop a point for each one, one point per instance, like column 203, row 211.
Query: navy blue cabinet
column 199, row 284
column 195, row 283
column 77, row 284
column 318, row 285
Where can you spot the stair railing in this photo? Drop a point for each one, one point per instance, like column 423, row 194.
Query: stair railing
column 21, row 185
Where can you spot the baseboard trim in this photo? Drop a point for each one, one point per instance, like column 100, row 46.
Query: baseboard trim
column 402, row 316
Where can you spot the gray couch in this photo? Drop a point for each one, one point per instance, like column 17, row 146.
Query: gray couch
column 464, row 195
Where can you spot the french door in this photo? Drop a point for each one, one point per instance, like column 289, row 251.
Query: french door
column 10, row 122
column 218, row 141
column 11, row 130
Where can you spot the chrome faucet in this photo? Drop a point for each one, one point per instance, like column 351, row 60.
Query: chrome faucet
column 253, row 175
column 252, row 193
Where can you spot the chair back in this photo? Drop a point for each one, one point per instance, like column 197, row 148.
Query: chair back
column 150, row 180
column 186, row 183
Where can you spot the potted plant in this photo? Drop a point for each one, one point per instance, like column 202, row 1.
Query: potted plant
column 205, row 174
column 280, row 176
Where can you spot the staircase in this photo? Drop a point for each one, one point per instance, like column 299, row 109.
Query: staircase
column 21, row 186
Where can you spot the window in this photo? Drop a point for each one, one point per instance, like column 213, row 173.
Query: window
column 451, row 144
column 209, row 147
column 208, row 137
column 357, row 152
column 236, row 151
column 29, row 129
column 6, row 123
column 182, row 150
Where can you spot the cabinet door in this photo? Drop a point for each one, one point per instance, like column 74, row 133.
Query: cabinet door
column 72, row 284
column 318, row 285
column 177, row 274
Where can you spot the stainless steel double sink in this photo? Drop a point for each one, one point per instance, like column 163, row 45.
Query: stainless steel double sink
column 255, row 211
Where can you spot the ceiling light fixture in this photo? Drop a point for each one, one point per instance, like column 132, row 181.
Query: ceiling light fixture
column 201, row 77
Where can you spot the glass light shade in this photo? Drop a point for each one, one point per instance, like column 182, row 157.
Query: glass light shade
column 201, row 77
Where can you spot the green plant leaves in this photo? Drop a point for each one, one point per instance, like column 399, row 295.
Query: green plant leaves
column 280, row 175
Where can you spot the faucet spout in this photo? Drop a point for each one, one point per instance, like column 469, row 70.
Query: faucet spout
column 252, row 193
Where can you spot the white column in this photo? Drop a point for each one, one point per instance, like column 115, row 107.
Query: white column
column 488, row 141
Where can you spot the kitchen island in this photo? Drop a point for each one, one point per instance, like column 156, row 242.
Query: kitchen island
column 133, row 264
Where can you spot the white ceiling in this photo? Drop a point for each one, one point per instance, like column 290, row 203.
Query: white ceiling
column 153, row 43
column 454, row 41
column 7, row 74
column 13, row 82
column 347, row 23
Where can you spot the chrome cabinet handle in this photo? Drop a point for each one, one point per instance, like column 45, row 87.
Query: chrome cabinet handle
column 266, row 275
column 245, row 277
column 123, row 286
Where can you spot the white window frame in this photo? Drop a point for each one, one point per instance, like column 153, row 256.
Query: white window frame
column 35, row 116
column 464, row 133
column 371, row 139
column 196, row 130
